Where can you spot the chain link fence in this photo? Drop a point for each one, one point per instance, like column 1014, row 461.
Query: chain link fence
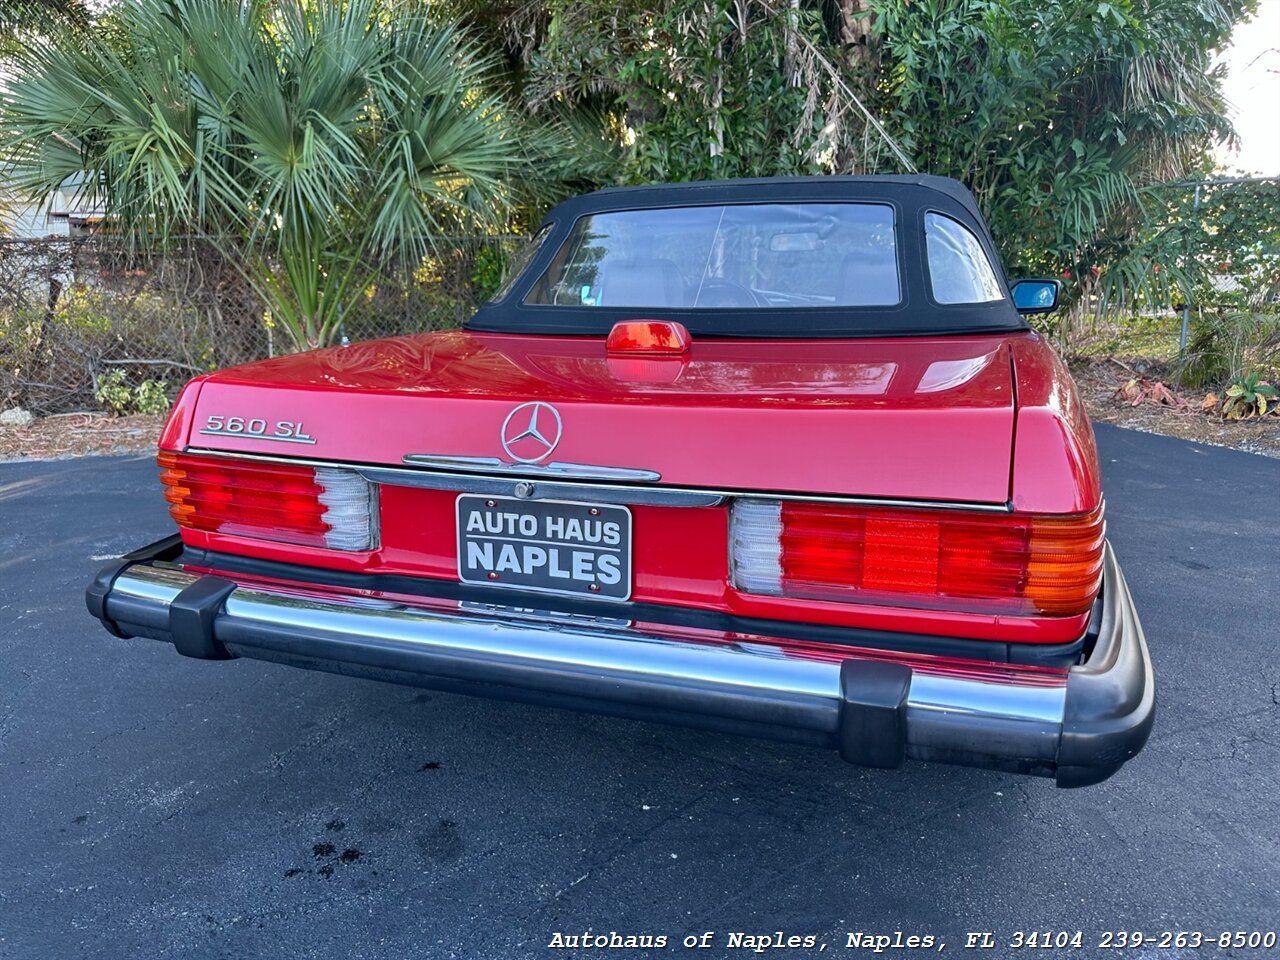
column 78, row 315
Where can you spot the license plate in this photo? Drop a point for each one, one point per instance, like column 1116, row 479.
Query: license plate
column 551, row 546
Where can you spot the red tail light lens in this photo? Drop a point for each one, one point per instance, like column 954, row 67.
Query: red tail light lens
column 313, row 506
column 649, row 336
column 1024, row 564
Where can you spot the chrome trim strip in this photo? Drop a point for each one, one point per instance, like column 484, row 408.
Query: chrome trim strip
column 939, row 693
column 257, row 436
column 542, row 616
column 1029, row 718
column 615, row 653
column 541, row 490
column 600, row 493
column 1006, row 716
column 557, row 469
column 153, row 583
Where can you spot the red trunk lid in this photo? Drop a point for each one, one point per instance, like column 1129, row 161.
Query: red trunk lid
column 921, row 418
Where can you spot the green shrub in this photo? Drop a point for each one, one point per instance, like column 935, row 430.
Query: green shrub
column 486, row 275
column 152, row 396
column 1223, row 346
column 114, row 393
column 1249, row 397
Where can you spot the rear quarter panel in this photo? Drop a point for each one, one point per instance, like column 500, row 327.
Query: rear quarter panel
column 1055, row 459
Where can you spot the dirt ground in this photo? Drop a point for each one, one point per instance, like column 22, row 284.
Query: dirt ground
column 1099, row 382
column 79, row 434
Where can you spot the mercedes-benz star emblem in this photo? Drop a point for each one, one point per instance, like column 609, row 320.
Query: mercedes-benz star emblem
column 531, row 431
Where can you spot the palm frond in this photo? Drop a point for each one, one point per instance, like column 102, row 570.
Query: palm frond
column 311, row 139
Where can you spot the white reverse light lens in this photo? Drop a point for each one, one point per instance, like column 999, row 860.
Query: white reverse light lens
column 350, row 503
column 755, row 549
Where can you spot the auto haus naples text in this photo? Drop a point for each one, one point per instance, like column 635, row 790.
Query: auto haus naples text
column 585, row 550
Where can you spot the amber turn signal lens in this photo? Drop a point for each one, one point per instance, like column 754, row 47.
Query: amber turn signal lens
column 1064, row 564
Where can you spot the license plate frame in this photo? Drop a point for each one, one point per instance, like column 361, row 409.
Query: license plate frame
column 553, row 561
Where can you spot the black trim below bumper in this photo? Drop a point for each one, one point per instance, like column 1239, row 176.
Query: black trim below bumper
column 1078, row 727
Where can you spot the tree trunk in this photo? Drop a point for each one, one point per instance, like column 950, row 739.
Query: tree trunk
column 1073, row 319
column 235, row 308
column 42, row 357
column 717, row 101
column 789, row 70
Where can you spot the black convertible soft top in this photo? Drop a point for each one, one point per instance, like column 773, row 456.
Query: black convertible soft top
column 911, row 197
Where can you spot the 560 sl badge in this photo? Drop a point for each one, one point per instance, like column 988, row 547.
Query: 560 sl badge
column 285, row 431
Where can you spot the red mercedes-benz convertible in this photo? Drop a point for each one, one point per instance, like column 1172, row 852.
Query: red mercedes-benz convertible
column 775, row 457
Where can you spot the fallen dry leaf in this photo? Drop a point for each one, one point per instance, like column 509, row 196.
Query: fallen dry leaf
column 1159, row 393
column 78, row 434
column 1131, row 391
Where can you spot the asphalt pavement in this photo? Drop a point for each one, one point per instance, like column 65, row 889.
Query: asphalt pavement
column 157, row 807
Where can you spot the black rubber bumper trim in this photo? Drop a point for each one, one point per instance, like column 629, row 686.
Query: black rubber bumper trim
column 95, row 595
column 1111, row 701
column 191, row 617
column 873, row 713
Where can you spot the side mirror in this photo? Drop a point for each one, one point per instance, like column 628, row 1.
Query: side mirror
column 1036, row 296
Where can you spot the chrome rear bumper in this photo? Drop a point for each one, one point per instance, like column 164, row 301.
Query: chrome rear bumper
column 1078, row 726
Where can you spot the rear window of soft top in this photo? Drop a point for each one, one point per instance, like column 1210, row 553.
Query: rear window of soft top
column 733, row 256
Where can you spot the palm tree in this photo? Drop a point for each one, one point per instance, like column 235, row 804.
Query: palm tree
column 21, row 18
column 1060, row 114
column 311, row 141
column 700, row 88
